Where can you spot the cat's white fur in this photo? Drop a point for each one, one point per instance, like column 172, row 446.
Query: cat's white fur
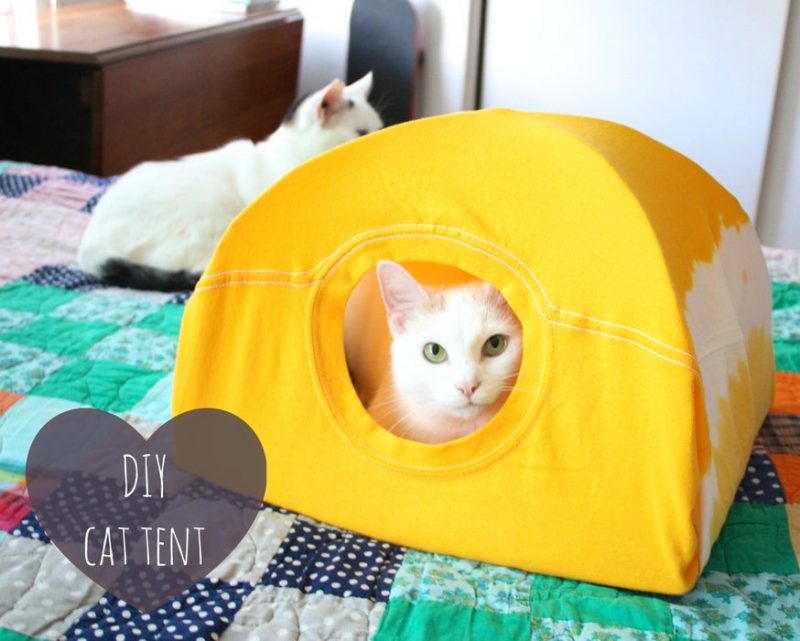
column 437, row 402
column 169, row 215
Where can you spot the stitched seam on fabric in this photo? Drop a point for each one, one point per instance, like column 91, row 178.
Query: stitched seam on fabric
column 625, row 340
column 552, row 321
column 599, row 155
column 257, row 282
column 280, row 272
column 439, row 237
column 368, row 233
column 517, row 273
column 624, row 327
column 714, row 350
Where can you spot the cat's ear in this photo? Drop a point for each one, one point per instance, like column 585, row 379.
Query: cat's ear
column 402, row 295
column 362, row 86
column 494, row 296
column 331, row 100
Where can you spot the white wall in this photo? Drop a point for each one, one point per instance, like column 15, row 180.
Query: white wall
column 450, row 33
column 779, row 210
column 449, row 36
column 326, row 25
column 699, row 75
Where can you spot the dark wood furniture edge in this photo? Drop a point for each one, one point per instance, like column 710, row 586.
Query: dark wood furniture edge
column 254, row 20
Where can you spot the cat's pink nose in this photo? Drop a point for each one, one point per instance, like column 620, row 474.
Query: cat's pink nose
column 468, row 389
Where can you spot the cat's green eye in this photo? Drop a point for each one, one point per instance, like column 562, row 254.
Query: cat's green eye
column 495, row 345
column 434, row 352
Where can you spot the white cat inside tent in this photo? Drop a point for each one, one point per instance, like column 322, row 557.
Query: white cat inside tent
column 636, row 397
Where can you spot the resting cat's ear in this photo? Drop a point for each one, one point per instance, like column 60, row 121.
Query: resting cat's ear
column 331, row 100
column 361, row 86
column 402, row 295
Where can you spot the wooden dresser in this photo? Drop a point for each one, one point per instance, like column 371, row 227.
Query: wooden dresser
column 98, row 87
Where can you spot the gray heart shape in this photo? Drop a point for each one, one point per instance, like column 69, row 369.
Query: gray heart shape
column 146, row 518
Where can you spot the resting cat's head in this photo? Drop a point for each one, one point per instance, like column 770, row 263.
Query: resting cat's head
column 335, row 114
column 455, row 354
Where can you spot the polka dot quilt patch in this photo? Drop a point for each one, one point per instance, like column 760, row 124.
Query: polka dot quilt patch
column 68, row 341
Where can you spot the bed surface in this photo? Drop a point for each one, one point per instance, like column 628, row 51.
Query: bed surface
column 66, row 341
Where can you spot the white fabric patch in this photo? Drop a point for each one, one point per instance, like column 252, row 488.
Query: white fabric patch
column 249, row 560
column 43, row 593
column 284, row 614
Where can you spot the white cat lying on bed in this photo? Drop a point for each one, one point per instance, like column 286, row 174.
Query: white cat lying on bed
column 157, row 226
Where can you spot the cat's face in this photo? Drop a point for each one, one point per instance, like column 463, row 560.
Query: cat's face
column 455, row 351
column 338, row 110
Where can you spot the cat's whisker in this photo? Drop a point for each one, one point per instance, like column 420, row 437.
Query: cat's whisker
column 509, row 386
column 384, row 101
column 420, row 408
column 383, row 408
column 403, row 432
column 513, row 374
column 408, row 415
column 381, row 416
column 387, row 407
column 402, row 418
column 393, row 401
column 521, row 389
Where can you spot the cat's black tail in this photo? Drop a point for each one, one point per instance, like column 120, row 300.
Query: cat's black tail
column 121, row 273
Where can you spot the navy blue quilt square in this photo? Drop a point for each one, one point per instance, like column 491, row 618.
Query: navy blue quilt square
column 180, row 298
column 317, row 558
column 88, row 179
column 101, row 506
column 30, row 528
column 761, row 483
column 203, row 611
column 63, row 277
column 15, row 186
column 88, row 208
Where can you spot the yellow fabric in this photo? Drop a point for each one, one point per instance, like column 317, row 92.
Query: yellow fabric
column 594, row 467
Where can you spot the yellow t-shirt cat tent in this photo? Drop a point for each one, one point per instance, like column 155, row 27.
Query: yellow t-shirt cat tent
column 647, row 364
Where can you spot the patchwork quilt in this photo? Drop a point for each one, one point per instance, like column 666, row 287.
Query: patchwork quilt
column 67, row 341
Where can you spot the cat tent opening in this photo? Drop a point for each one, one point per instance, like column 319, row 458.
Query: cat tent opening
column 647, row 364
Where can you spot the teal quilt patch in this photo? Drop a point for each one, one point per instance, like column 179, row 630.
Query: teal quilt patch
column 113, row 387
column 155, row 406
column 551, row 605
column 785, row 295
column 755, row 538
column 753, row 607
column 21, row 423
column 167, row 320
column 565, row 600
column 136, row 346
column 22, row 368
column 438, row 621
column 787, row 356
column 96, row 306
column 38, row 299
column 11, row 319
column 59, row 336
column 445, row 579
column 550, row 630
column 786, row 324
